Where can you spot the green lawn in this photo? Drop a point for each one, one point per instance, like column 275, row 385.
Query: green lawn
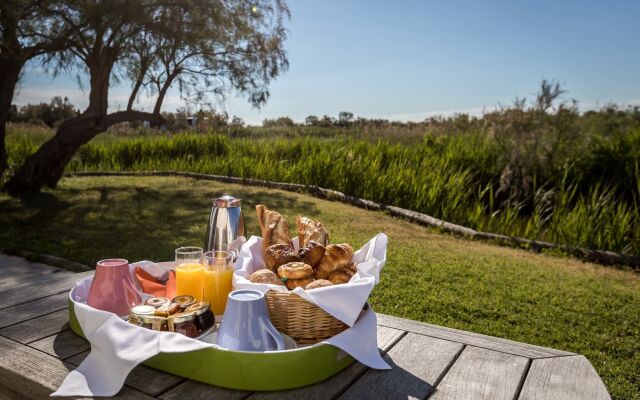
column 440, row 279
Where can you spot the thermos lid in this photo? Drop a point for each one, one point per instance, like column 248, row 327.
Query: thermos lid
column 227, row 201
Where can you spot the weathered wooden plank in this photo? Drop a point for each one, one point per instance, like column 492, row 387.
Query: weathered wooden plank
column 330, row 388
column 13, row 267
column 193, row 390
column 32, row 309
column 563, row 378
column 30, row 279
column 482, row 374
column 471, row 338
column 62, row 345
column 37, row 328
column 8, row 394
column 418, row 363
column 42, row 286
column 145, row 379
column 34, row 374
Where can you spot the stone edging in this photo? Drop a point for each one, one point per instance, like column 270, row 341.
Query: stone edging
column 54, row 261
column 597, row 256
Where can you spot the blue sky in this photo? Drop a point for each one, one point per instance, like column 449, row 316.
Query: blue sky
column 407, row 60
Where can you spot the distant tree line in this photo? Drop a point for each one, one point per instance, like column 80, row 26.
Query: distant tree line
column 50, row 114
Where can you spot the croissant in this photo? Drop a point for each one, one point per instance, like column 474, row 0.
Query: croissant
column 274, row 227
column 279, row 254
column 342, row 275
column 311, row 253
column 336, row 256
column 308, row 230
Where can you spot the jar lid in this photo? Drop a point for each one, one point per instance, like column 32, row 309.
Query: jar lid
column 182, row 317
column 184, row 301
column 198, row 308
column 156, row 301
column 143, row 310
column 227, row 201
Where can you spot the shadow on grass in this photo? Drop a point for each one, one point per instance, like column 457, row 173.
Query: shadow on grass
column 132, row 222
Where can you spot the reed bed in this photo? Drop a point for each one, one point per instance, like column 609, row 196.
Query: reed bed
column 588, row 196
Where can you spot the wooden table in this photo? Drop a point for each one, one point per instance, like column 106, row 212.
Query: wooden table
column 37, row 350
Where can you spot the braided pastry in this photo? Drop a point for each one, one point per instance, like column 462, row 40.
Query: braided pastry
column 280, row 254
column 312, row 253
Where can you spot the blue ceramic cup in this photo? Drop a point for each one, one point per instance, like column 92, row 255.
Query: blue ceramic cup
column 246, row 325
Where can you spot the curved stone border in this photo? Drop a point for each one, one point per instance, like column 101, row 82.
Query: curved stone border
column 597, row 256
column 54, row 261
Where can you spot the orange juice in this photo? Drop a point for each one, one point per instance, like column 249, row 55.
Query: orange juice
column 189, row 280
column 217, row 286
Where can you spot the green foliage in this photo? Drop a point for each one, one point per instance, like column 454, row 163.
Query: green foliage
column 527, row 173
column 50, row 114
column 474, row 286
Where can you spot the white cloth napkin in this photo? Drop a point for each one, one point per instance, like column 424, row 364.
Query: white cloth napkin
column 342, row 301
column 117, row 346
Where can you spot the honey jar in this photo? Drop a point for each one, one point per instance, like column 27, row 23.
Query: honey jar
column 184, row 323
column 204, row 316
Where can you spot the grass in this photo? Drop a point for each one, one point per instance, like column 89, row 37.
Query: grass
column 539, row 299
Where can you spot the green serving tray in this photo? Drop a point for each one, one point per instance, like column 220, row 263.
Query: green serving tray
column 276, row 370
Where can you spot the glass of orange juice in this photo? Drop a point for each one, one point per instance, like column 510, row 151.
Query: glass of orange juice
column 189, row 272
column 218, row 271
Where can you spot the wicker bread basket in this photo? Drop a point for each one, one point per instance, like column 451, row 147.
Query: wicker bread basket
column 305, row 322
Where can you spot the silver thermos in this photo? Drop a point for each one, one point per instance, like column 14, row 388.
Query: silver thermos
column 225, row 230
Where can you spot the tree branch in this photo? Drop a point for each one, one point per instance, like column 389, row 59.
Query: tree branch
column 130, row 116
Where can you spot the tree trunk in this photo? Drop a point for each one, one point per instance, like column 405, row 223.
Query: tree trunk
column 46, row 166
column 9, row 74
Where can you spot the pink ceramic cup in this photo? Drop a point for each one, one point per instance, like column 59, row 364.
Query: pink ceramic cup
column 112, row 288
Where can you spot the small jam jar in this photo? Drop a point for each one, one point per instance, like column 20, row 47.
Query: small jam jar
column 140, row 311
column 184, row 323
column 153, row 322
column 204, row 316
column 184, row 301
column 156, row 301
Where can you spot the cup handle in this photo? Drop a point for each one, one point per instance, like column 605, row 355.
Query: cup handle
column 132, row 295
column 273, row 334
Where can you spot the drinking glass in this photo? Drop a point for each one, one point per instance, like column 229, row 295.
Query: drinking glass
column 218, row 272
column 189, row 272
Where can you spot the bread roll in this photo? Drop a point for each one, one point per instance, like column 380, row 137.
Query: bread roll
column 274, row 227
column 294, row 283
column 312, row 253
column 335, row 257
column 318, row 283
column 295, row 270
column 265, row 276
column 280, row 254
